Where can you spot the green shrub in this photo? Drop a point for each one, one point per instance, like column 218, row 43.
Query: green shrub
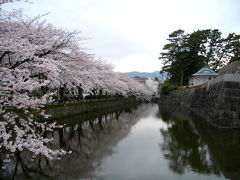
column 181, row 88
column 167, row 88
column 102, row 96
column 55, row 97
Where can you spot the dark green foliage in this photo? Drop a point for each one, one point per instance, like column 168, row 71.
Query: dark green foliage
column 101, row 96
column 69, row 97
column 95, row 96
column 185, row 53
column 167, row 88
column 233, row 47
column 55, row 97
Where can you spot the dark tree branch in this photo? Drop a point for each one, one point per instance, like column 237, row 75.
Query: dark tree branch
column 20, row 62
column 5, row 53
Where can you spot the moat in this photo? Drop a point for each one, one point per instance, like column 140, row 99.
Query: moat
column 143, row 142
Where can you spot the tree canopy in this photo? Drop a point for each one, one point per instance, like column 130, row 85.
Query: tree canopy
column 36, row 56
column 187, row 53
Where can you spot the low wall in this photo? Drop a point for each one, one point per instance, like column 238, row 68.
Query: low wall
column 218, row 101
column 63, row 110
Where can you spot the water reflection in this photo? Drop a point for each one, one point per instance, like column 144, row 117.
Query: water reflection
column 89, row 141
column 140, row 142
column 193, row 146
column 185, row 149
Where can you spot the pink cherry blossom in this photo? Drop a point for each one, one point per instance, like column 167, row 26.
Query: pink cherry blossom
column 33, row 56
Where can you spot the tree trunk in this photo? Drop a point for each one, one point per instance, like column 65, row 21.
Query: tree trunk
column 181, row 78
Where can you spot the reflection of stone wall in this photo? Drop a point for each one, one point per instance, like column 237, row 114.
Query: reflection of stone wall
column 183, row 145
column 224, row 148
column 188, row 135
column 218, row 102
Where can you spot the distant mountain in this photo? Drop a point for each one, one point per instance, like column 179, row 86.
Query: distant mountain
column 148, row 74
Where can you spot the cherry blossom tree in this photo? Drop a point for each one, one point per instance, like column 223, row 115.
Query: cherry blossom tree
column 7, row 1
column 26, row 65
column 36, row 56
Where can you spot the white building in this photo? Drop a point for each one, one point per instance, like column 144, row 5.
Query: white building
column 202, row 76
column 140, row 79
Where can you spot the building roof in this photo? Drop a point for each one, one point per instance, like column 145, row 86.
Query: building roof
column 140, row 79
column 205, row 71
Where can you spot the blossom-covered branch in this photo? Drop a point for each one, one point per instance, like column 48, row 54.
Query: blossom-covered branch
column 33, row 56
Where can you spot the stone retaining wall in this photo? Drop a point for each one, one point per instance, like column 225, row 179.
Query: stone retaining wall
column 58, row 111
column 218, row 102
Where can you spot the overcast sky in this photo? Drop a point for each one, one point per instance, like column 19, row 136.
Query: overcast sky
column 131, row 33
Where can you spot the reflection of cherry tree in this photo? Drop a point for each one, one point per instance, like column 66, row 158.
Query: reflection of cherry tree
column 90, row 142
column 36, row 59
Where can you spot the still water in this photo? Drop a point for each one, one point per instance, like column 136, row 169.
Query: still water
column 146, row 142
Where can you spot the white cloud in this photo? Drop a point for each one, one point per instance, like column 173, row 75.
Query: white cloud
column 138, row 62
column 131, row 33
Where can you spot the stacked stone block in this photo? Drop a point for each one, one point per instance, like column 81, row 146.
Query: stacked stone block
column 218, row 102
